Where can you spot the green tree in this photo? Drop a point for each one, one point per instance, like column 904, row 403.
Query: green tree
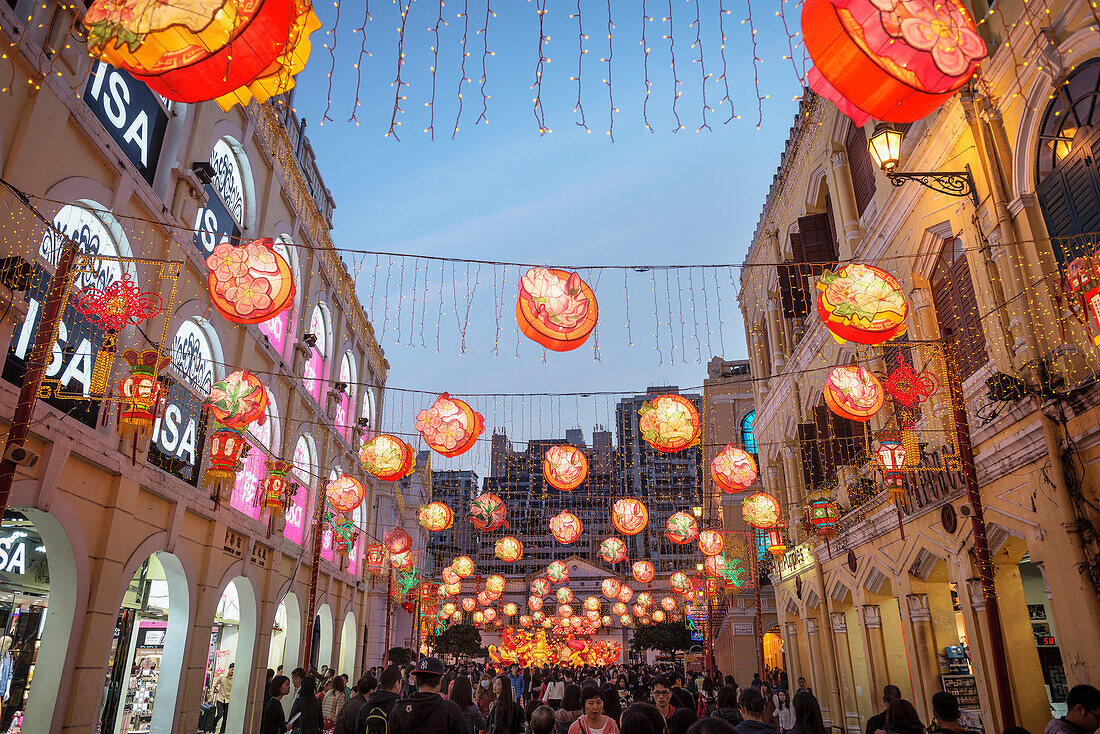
column 668, row 637
column 400, row 656
column 460, row 640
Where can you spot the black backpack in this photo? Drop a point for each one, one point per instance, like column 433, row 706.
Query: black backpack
column 377, row 721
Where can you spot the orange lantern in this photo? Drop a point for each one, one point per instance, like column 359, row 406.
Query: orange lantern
column 681, row 528
column 853, row 393
column 450, row 577
column 612, row 550
column 557, row 572
column 534, row 603
column 610, row 588
column 435, row 516
column 591, row 603
column 733, row 469
column 509, row 549
column 249, row 283
column 761, row 510
column 555, row 308
column 540, row 587
column 679, row 582
column 490, row 614
column 625, row 620
column 714, row 565
column 448, row 609
column 479, row 617
column 485, row 599
column 345, row 493
column 658, row 616
column 670, row 423
column 629, row 516
column 140, row 395
column 452, row 589
column 238, row 401
column 194, row 52
column 397, row 541
column 565, row 611
column 564, row 595
column 618, row 608
column 773, row 539
column 643, row 571
column 387, row 457
column 645, row 599
column 495, row 584
column 862, row 303
column 510, row 609
column 525, row 620
column 625, row 594
column 487, row 512
column 469, row 604
column 565, row 527
column 450, row 427
column 402, row 561
column 226, row 448
column 710, row 542
column 463, row 566
column 564, row 467
column 668, row 603
column 639, row 610
column 892, row 61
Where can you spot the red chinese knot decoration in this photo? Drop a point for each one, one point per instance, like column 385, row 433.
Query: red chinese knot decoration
column 345, row 493
column 861, row 303
column 564, row 467
column 670, row 423
column 555, row 308
column 760, row 510
column 450, row 427
column 629, row 516
column 853, row 393
column 733, row 469
column 565, row 527
column 387, row 457
column 909, row 387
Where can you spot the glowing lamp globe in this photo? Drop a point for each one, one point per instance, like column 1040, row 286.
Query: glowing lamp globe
column 564, row 467
column 760, row 510
column 564, row 595
column 555, row 308
column 387, row 457
column 679, row 582
column 495, row 584
column 591, row 603
column 565, row 611
column 733, row 469
column 397, row 541
column 450, row 427
column 681, row 528
column 540, row 586
column 565, row 527
column 612, row 550
column 861, row 303
column 469, row 604
column 238, row 401
column 645, row 599
column 629, row 516
column 249, row 283
column 510, row 609
column 534, row 603
column 643, row 571
column 668, row 603
column 509, row 549
column 658, row 616
column 710, row 542
column 463, row 566
column 345, row 493
column 625, row 594
column 853, row 393
column 487, row 512
column 610, row 588
column 670, row 423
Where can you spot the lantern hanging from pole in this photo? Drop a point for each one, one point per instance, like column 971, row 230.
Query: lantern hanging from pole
column 435, row 517
column 629, row 515
column 679, row 582
column 556, row 308
column 140, row 395
column 565, row 527
column 204, row 50
column 861, row 303
column 773, row 540
column 643, row 571
column 509, row 549
column 463, row 566
column 760, row 510
column 891, row 60
column 711, row 543
column 397, row 541
column 249, row 283
column 564, row 595
column 733, row 469
column 625, row 594
column 450, row 427
column 822, row 515
column 113, row 308
column 540, row 587
column 376, row 558
column 891, row 457
column 853, row 393
column 564, row 467
column 610, row 588
column 557, row 572
column 670, row 423
column 681, row 528
column 277, row 493
column 345, row 493
column 387, row 457
column 487, row 512
column 612, row 550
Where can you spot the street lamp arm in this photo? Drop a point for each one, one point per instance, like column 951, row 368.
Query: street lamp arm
column 952, row 183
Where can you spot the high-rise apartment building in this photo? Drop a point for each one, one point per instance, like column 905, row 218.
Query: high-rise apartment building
column 455, row 489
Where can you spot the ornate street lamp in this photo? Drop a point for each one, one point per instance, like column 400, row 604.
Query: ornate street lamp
column 885, row 149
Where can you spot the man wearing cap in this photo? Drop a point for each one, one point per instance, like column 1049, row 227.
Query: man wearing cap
column 426, row 711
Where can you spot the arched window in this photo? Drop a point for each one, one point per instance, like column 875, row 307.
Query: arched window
column 228, row 197
column 247, row 486
column 345, row 408
column 748, row 440
column 303, row 473
column 1067, row 177
column 316, row 366
column 367, row 409
column 327, row 550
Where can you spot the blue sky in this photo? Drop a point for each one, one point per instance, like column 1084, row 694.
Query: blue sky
column 502, row 192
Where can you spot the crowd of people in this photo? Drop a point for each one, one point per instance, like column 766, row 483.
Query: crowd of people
column 431, row 697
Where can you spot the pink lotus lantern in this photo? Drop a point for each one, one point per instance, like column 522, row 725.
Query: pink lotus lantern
column 710, row 542
column 564, row 595
column 564, row 467
column 612, row 550
column 644, row 571
column 733, row 469
column 469, row 604
column 557, row 572
column 345, row 493
column 681, row 528
column 610, row 588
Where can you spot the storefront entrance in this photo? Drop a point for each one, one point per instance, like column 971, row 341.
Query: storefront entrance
column 232, row 642
column 24, row 598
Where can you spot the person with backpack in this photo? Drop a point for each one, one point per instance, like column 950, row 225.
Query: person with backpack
column 374, row 715
column 348, row 715
column 426, row 711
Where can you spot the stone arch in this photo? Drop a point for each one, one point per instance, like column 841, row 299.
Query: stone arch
column 229, row 131
column 248, row 627
column 814, row 199
column 348, row 644
column 324, row 622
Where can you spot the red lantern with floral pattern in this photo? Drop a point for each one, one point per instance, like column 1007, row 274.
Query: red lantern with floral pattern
column 249, row 283
column 556, row 308
column 345, row 493
column 610, row 588
column 853, row 393
column 629, row 515
column 564, row 467
column 557, row 572
column 710, row 542
column 450, row 427
column 463, row 566
column 612, row 550
column 387, row 457
column 487, row 512
column 681, row 528
column 277, row 492
column 625, row 594
column 565, row 527
column 540, row 586
column 534, row 603
column 760, row 510
column 509, row 549
column 680, row 582
column 643, row 571
column 564, row 595
column 861, row 303
column 397, row 541
column 670, row 423
column 435, row 517
column 733, row 469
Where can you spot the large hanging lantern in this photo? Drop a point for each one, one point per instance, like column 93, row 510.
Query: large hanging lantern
column 397, row 541
column 629, row 515
column 565, row 611
column 711, row 543
column 387, row 457
column 733, row 469
column 618, row 608
column 891, row 457
column 670, row 423
column 645, row 599
column 469, row 604
column 249, row 283
column 853, row 393
column 861, row 303
column 345, row 493
column 565, row 527
column 760, row 510
column 591, row 603
column 643, row 571
column 822, row 515
column 610, row 588
column 510, row 609
column 487, row 512
column 612, row 550
column 564, row 467
column 435, row 517
column 681, row 528
column 463, row 566
column 714, row 565
column 450, row 427
column 449, row 576
column 495, row 584
column 231, row 52
column 485, row 599
column 490, row 614
column 557, row 572
column 540, row 587
column 564, row 595
column 679, row 582
column 277, row 492
column 238, row 401
column 625, row 594
column 555, row 308
column 774, row 541
column 534, row 603
column 896, row 61
column 509, row 549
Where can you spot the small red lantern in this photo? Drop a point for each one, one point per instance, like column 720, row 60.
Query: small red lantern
column 618, row 607
column 565, row 527
column 658, row 616
column 277, row 492
column 487, row 512
column 612, row 550
column 376, row 557
column 249, row 283
column 670, row 423
column 435, row 517
column 853, row 393
column 733, row 469
column 711, row 543
column 681, row 528
column 397, row 541
column 345, row 493
column 643, row 571
column 226, row 448
column 629, row 516
column 773, row 540
column 610, row 588
column 861, row 303
column 564, row 467
column 387, row 457
column 645, row 599
column 557, row 572
column 556, row 308
column 450, row 426
column 238, row 401
column 509, row 549
column 140, row 395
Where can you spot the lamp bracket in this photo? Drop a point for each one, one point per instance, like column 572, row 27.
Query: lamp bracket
column 952, row 183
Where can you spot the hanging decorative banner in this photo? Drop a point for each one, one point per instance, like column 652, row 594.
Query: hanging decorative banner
column 387, row 457
column 345, row 493
column 397, row 541
column 862, row 304
column 760, row 510
column 610, row 588
column 643, row 571
column 711, row 543
column 629, row 516
column 670, row 423
column 853, row 393
column 488, row 513
column 344, row 536
column 564, row 595
column 540, row 587
column 612, row 550
column 463, row 566
column 564, row 467
column 625, row 594
column 555, row 308
column 509, row 549
column 435, row 517
column 733, row 469
column 681, row 528
column 194, row 51
column 249, row 283
column 277, row 495
column 565, row 527
column 557, row 572
column 450, row 427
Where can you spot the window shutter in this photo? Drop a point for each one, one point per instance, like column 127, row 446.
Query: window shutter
column 792, row 284
column 817, row 240
column 825, row 436
column 861, row 167
column 832, row 225
column 957, row 314
column 808, row 447
column 764, row 341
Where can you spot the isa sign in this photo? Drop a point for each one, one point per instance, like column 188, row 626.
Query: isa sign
column 132, row 114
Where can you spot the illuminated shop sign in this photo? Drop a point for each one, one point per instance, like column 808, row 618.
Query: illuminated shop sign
column 131, row 113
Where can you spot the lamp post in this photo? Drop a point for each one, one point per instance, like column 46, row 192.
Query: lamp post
column 885, row 149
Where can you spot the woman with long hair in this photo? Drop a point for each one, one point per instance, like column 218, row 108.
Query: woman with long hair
column 726, row 705
column 784, row 712
column 555, row 690
column 807, row 714
column 309, row 708
column 503, row 710
column 902, row 718
column 462, row 694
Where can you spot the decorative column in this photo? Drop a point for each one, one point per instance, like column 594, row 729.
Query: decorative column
column 793, row 660
column 792, row 475
column 775, row 336
column 876, row 649
column 844, row 667
column 924, row 652
column 817, row 680
column 845, row 212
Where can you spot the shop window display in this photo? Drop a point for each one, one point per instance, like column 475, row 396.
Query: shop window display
column 24, row 598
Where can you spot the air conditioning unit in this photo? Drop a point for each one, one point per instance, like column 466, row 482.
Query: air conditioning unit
column 21, row 456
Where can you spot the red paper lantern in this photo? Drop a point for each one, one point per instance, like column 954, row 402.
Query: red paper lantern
column 564, row 467
column 226, row 447
column 668, row 603
column 277, row 492
column 397, row 541
column 625, row 594
column 487, row 512
column 557, row 572
column 565, row 527
column 555, row 308
column 895, row 61
column 639, row 610
column 510, row 609
column 540, row 587
column 670, row 423
column 610, row 588
column 629, row 516
column 249, row 283
column 376, row 557
column 450, row 427
column 612, row 550
column 140, row 395
column 509, row 549
column 387, row 457
column 681, row 528
column 733, row 469
column 773, row 540
column 564, row 595
column 345, row 493
column 463, row 566
column 714, row 565
column 822, row 515
column 534, row 603
column 485, row 599
column 679, row 582
column 645, row 599
column 853, row 393
column 862, row 303
column 711, row 543
column 238, row 401
column 761, row 510
column 193, row 51
column 643, row 571
column 435, row 517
